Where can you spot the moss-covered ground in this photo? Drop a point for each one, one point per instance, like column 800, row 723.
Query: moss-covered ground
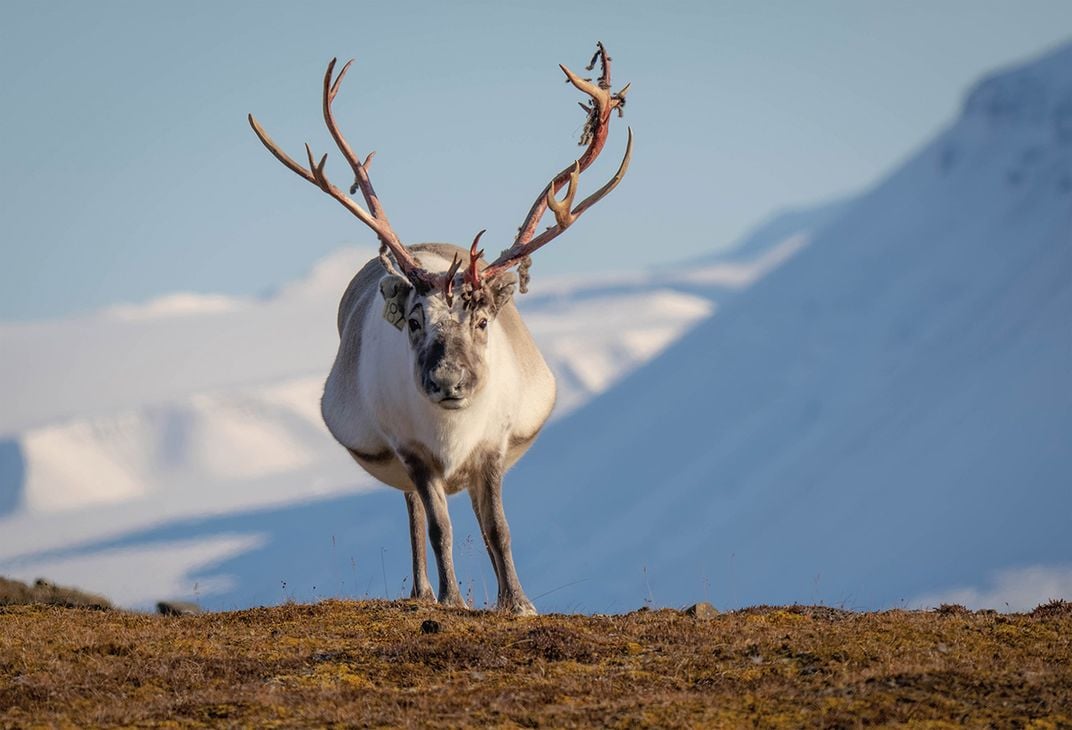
column 404, row 664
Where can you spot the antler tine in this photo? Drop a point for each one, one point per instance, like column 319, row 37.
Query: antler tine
column 604, row 102
column 610, row 185
column 317, row 168
column 472, row 274
column 593, row 90
column 361, row 178
column 339, row 78
column 448, row 280
column 294, row 167
column 279, row 154
column 562, row 209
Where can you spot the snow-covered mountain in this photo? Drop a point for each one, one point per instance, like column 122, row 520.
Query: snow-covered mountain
column 191, row 406
column 885, row 419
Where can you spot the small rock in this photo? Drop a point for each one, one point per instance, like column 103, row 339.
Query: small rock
column 430, row 626
column 703, row 609
column 177, row 608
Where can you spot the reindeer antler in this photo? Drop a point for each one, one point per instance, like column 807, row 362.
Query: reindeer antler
column 603, row 102
column 377, row 218
column 472, row 273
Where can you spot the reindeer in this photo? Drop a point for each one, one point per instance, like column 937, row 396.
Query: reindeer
column 442, row 388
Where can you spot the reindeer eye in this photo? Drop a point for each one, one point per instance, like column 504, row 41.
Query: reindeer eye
column 482, row 324
column 414, row 325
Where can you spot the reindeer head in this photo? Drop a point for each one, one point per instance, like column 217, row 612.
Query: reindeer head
column 448, row 329
column 448, row 316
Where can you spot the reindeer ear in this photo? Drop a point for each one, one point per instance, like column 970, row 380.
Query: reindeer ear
column 395, row 290
column 501, row 288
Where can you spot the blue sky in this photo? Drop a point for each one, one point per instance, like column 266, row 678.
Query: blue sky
column 128, row 169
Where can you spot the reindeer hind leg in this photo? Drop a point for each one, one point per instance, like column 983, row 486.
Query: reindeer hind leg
column 486, row 493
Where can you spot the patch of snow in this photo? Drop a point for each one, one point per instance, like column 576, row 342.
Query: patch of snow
column 138, row 577
column 741, row 274
column 67, row 468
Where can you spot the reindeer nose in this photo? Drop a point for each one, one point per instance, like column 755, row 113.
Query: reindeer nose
column 449, row 381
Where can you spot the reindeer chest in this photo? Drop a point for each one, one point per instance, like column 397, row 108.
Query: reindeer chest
column 450, row 441
column 453, row 450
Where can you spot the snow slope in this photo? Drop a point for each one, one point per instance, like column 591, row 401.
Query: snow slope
column 885, row 419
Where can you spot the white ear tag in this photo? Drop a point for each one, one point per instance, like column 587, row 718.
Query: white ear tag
column 394, row 300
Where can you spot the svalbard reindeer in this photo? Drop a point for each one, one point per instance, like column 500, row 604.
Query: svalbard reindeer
column 437, row 386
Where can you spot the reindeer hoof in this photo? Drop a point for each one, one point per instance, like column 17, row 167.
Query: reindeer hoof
column 518, row 606
column 452, row 601
column 425, row 596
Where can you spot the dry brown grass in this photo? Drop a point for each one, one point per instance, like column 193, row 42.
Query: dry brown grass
column 41, row 591
column 370, row 664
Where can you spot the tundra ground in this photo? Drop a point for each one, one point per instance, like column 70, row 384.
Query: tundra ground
column 377, row 663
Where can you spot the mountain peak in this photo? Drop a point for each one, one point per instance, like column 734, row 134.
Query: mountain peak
column 1035, row 94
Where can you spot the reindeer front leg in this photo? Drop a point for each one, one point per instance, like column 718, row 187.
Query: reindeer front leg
column 486, row 493
column 422, row 587
column 433, row 498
